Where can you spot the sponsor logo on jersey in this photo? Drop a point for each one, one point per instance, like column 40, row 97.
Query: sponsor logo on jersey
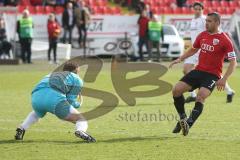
column 207, row 47
column 215, row 41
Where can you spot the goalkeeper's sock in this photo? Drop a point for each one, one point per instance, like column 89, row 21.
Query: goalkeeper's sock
column 179, row 105
column 81, row 125
column 30, row 120
column 196, row 112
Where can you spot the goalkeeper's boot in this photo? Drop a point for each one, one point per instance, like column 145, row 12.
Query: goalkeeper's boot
column 19, row 134
column 83, row 135
column 184, row 126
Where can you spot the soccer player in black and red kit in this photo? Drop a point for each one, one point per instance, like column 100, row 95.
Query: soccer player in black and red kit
column 214, row 46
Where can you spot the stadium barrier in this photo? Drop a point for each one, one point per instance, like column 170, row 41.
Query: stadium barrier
column 104, row 29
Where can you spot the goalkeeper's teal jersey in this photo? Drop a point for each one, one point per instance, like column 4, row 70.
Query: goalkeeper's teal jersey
column 55, row 88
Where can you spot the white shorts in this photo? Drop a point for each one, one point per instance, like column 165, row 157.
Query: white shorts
column 192, row 60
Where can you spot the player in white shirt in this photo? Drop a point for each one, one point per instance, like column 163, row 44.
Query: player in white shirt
column 198, row 26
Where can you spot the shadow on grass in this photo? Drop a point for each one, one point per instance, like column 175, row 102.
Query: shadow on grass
column 135, row 139
column 64, row 142
column 41, row 141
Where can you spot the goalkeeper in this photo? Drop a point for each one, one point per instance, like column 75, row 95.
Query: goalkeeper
column 57, row 93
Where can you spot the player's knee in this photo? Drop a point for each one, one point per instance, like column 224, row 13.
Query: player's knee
column 176, row 91
column 173, row 91
column 72, row 118
column 200, row 98
column 78, row 117
column 185, row 71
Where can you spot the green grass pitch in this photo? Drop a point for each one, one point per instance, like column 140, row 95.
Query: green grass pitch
column 216, row 134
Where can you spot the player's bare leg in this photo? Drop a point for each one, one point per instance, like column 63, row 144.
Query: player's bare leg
column 187, row 67
column 81, row 125
column 178, row 90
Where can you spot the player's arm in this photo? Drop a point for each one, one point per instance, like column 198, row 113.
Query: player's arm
column 222, row 82
column 191, row 51
column 231, row 68
column 75, row 92
column 72, row 99
column 232, row 65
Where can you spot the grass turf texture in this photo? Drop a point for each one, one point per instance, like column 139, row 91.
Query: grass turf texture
column 215, row 135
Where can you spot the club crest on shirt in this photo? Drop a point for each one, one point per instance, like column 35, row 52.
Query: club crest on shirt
column 215, row 41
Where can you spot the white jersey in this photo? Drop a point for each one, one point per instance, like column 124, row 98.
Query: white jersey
column 197, row 26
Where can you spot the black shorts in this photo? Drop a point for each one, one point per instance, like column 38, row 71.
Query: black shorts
column 198, row 79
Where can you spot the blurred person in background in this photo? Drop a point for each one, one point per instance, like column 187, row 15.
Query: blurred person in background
column 140, row 6
column 155, row 35
column 143, row 33
column 197, row 26
column 83, row 18
column 25, row 32
column 148, row 11
column 54, row 31
column 68, row 22
column 5, row 46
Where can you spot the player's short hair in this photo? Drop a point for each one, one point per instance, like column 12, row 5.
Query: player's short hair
column 70, row 66
column 216, row 16
column 198, row 4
